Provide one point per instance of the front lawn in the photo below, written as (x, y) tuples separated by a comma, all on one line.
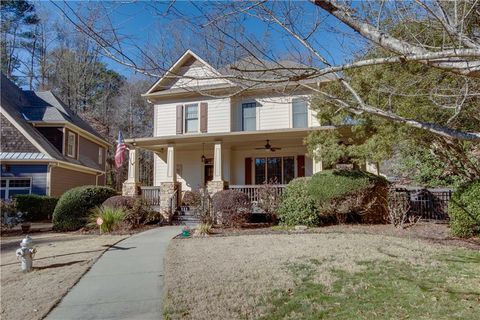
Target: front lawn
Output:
[(312, 276)]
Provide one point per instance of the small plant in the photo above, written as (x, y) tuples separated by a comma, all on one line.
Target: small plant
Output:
[(10, 215), (269, 199), (192, 199), (232, 208), (111, 217), (203, 229), (398, 207), (203, 210)]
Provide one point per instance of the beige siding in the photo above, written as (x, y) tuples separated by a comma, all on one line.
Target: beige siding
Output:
[(273, 112), (218, 115), (192, 77), (62, 179)]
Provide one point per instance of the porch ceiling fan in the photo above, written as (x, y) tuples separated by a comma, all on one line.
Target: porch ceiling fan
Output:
[(268, 146)]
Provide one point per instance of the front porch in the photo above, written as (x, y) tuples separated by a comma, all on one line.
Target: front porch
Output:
[(236, 160)]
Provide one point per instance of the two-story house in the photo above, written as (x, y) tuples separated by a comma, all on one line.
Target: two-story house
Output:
[(45, 148), (211, 131)]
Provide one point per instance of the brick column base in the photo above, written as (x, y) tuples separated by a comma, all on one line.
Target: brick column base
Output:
[(131, 189), (167, 189), (216, 186)]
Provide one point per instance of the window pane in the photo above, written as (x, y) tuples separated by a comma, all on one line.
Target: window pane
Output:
[(191, 111), (4, 183), (249, 116), (191, 125), (288, 169), (19, 183), (274, 170), (300, 112), (259, 170)]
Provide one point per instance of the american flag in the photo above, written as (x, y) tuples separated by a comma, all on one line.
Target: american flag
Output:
[(120, 153)]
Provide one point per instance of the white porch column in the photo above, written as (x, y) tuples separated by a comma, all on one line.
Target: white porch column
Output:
[(317, 162), (217, 162), (171, 172), (133, 168), (131, 187)]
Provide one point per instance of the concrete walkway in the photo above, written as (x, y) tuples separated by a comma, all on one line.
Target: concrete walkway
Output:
[(125, 283)]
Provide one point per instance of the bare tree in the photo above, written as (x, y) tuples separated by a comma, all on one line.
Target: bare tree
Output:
[(370, 24)]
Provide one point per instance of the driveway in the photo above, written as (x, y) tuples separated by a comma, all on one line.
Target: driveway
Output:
[(125, 283)]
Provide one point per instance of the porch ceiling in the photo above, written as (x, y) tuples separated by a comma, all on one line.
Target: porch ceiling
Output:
[(238, 139)]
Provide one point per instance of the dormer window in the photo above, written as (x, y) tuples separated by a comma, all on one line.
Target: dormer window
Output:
[(71, 144)]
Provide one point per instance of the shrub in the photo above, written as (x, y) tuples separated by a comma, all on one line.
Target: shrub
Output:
[(203, 229), (191, 198), (297, 206), (464, 210), (74, 206), (345, 195), (112, 217), (203, 210), (35, 207), (123, 202), (232, 207), (137, 210), (269, 200)]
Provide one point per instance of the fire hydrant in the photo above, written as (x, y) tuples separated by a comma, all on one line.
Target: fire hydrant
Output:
[(26, 253)]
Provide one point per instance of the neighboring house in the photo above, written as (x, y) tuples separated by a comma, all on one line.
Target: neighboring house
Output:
[(45, 148), (211, 131)]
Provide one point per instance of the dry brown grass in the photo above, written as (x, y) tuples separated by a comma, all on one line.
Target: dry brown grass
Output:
[(229, 277), (61, 259)]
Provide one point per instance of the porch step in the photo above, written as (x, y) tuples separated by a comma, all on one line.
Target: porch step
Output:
[(188, 220)]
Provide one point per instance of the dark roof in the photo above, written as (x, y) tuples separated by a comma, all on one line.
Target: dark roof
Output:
[(41, 106)]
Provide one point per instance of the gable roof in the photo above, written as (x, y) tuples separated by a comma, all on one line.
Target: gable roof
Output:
[(248, 73), (15, 102), (175, 74)]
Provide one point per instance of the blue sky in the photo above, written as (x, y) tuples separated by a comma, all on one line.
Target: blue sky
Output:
[(138, 21)]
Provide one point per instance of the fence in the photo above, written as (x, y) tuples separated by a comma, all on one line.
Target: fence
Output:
[(429, 204)]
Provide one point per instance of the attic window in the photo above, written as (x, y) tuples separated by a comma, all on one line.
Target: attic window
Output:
[(71, 144), (25, 117)]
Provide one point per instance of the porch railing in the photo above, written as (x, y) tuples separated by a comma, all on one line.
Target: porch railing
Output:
[(252, 190), (151, 195)]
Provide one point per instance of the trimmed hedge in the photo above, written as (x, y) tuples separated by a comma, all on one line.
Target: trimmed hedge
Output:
[(35, 207), (335, 196), (464, 210), (345, 195), (123, 202), (73, 207), (297, 206)]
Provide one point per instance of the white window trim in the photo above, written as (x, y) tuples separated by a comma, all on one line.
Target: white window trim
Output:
[(7, 187), (281, 165), (185, 119), (257, 115), (74, 147), (308, 113)]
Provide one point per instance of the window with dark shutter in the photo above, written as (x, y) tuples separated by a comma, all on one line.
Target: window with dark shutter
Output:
[(300, 166), (179, 119), (203, 117), (248, 170)]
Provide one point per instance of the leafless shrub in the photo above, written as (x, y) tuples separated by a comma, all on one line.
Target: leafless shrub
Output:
[(398, 208), (269, 199)]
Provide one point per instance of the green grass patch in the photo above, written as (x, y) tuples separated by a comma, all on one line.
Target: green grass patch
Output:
[(447, 289)]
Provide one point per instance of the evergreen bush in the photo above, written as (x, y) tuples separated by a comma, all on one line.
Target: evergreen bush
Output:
[(464, 210)]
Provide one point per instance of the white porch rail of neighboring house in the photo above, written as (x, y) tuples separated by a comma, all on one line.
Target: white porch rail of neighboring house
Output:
[(252, 190), (151, 195)]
